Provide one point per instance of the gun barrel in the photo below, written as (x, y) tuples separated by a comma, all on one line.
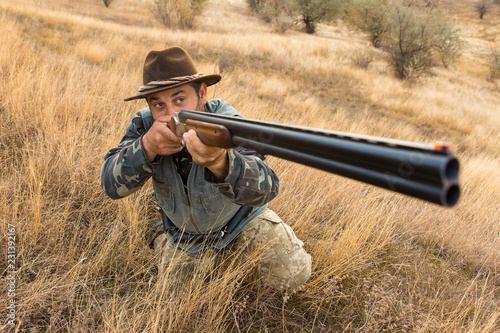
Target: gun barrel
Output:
[(410, 168)]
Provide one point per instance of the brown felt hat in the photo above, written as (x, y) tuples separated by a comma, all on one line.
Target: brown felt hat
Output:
[(168, 69)]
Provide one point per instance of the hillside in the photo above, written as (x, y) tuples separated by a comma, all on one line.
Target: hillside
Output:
[(381, 261)]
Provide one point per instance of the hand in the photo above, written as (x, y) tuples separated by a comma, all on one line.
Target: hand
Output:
[(213, 158), (160, 140)]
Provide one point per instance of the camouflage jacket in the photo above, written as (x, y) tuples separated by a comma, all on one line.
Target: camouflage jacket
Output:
[(206, 204)]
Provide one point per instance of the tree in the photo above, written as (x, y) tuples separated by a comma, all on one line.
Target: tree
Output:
[(417, 36), (483, 7), (312, 12), (107, 2), (408, 40), (413, 32)]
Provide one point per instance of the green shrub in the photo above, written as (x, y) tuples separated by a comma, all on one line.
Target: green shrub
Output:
[(361, 59), (284, 13), (409, 40), (413, 32), (372, 17), (312, 12), (179, 14), (255, 4), (417, 36), (447, 42)]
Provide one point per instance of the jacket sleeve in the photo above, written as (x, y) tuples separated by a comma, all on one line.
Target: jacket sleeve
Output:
[(125, 167), (250, 182)]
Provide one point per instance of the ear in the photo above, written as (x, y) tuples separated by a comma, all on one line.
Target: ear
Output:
[(203, 93)]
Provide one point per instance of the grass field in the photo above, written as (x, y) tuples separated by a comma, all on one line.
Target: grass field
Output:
[(381, 261)]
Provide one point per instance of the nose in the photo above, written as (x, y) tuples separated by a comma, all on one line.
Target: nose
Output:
[(171, 109)]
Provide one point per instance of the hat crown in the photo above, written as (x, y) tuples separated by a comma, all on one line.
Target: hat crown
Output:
[(167, 64), (168, 69)]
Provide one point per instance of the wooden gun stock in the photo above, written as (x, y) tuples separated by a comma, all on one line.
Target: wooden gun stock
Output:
[(210, 134)]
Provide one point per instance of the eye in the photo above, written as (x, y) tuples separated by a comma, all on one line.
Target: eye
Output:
[(179, 100), (158, 105)]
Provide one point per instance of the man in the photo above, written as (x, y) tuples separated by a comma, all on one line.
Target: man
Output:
[(200, 189)]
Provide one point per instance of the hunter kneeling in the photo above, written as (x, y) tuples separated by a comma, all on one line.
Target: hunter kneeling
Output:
[(211, 199)]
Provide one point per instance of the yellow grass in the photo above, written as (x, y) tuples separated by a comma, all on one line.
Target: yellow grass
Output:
[(381, 261)]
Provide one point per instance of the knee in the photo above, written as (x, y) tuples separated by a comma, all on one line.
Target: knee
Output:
[(301, 278), (284, 263), (292, 274)]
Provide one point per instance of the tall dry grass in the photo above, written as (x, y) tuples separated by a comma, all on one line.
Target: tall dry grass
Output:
[(381, 261)]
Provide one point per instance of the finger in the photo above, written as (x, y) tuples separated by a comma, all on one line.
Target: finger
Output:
[(191, 138), (187, 141), (164, 121), (164, 118), (167, 133), (170, 148), (202, 154), (194, 144)]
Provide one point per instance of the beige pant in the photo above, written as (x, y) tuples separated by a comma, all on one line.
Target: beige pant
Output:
[(267, 245)]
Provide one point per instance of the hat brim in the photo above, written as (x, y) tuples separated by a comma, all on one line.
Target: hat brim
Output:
[(209, 80)]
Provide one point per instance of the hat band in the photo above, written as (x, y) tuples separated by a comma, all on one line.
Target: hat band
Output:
[(174, 80)]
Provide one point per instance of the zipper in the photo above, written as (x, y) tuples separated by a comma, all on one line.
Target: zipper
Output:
[(179, 178)]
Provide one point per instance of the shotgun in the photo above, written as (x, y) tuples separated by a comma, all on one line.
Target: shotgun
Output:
[(428, 172)]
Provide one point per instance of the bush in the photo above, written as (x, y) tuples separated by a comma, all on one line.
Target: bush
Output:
[(178, 13), (371, 16), (361, 59), (312, 12), (107, 2), (284, 13), (447, 42), (409, 41), (413, 32), (282, 21), (276, 12), (417, 36), (255, 4)]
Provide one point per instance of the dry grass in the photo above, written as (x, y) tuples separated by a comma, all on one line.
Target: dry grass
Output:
[(381, 261)]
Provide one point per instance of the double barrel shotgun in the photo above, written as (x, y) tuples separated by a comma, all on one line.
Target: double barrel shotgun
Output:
[(428, 172)]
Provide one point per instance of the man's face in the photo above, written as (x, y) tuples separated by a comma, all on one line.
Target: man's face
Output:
[(168, 102)]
